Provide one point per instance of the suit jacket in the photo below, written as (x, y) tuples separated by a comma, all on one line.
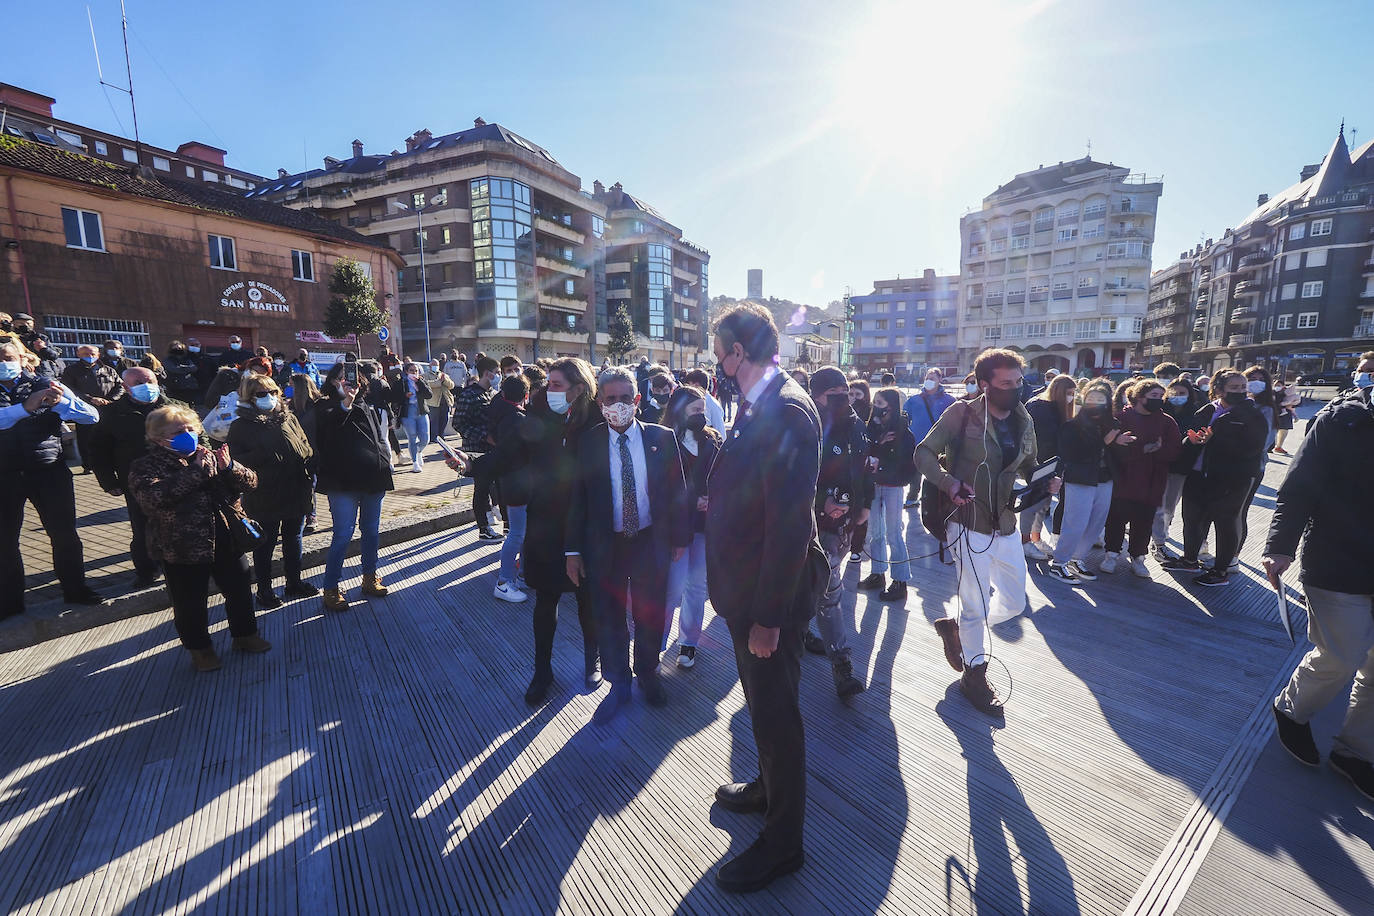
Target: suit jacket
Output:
[(590, 525), (759, 520)]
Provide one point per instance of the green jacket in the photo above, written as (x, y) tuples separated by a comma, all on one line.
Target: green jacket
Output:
[(992, 485)]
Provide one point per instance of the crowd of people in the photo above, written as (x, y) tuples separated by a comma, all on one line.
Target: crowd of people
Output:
[(643, 492)]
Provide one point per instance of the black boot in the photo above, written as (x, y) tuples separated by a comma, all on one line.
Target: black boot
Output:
[(872, 581), (974, 684), (267, 599), (539, 687), (591, 668), (757, 867), (895, 593), (846, 684), (813, 643), (743, 797)]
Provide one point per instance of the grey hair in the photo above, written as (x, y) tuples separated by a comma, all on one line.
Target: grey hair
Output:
[(616, 374)]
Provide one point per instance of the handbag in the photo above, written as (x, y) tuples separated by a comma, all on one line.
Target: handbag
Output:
[(244, 534), (936, 506)]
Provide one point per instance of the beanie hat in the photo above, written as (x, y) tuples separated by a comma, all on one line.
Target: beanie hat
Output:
[(825, 378)]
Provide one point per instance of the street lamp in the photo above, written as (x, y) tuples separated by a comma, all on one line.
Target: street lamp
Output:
[(439, 200), (838, 331)]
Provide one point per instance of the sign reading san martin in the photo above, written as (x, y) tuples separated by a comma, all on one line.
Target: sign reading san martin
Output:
[(259, 297)]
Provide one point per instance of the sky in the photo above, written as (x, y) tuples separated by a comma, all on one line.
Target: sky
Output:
[(828, 144)]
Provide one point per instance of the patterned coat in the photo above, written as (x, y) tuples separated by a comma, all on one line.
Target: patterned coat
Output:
[(179, 496)]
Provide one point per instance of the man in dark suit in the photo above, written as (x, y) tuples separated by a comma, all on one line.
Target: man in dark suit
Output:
[(763, 568), (628, 522)]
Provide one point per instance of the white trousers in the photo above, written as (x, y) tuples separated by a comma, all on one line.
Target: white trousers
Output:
[(992, 584)]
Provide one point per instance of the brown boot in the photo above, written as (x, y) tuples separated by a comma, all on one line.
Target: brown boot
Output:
[(205, 660), (979, 692), (254, 643), (948, 628), (334, 600), (372, 585)]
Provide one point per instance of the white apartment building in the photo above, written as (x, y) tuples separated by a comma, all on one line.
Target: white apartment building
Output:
[(1056, 265)]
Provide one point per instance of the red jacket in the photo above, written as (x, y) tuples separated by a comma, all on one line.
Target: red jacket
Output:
[(1139, 476)]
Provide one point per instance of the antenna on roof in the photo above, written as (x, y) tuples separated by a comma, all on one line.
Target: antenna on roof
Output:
[(1090, 147), (128, 70)]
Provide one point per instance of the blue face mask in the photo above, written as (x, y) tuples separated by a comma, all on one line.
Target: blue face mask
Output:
[(1179, 400), (10, 370), (1364, 379), (184, 443), (88, 360), (235, 346), (145, 393)]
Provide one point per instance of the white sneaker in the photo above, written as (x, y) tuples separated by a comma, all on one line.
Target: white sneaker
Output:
[(1034, 551), (1234, 567), (1206, 559), (507, 592), (1108, 564), (1139, 568)]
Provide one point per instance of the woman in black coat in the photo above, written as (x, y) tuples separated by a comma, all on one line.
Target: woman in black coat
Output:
[(557, 418), (353, 469), (1049, 410)]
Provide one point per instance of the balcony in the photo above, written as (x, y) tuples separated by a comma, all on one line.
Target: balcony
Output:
[(1240, 340), (1364, 329), (554, 227), (1245, 313), (993, 300), (1248, 288), (685, 275), (618, 267), (1118, 287), (1063, 294), (1128, 234), (1016, 298), (1369, 267), (1254, 259), (560, 265), (1203, 296), (1039, 295), (572, 303), (1200, 324), (1085, 291)]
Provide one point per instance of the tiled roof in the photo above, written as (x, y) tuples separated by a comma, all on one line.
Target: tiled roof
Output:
[(28, 156)]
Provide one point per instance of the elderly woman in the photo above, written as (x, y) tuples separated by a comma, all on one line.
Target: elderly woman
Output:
[(182, 487), (268, 439)]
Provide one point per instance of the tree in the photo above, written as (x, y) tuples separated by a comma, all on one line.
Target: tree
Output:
[(620, 341), (353, 307)]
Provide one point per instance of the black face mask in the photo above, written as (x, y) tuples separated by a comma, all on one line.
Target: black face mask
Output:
[(1004, 398), (696, 423), (6, 326), (1096, 413), (880, 414), (1235, 397), (1154, 405), (837, 406)]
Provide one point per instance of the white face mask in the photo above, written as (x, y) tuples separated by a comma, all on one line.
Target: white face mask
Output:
[(928, 384), (558, 401), (279, 363), (266, 402), (619, 414)]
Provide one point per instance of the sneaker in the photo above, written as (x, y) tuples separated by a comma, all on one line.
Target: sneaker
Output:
[(687, 656), (1162, 554), (1139, 568), (1212, 578), (1296, 738), (417, 467), (1108, 564), (487, 534), (909, 505), (855, 558), (507, 591), (1182, 564), (1360, 772), (1235, 566), (872, 581), (1279, 451), (254, 643), (1063, 571), (1034, 551), (1206, 559), (300, 589), (813, 643), (205, 660), (1079, 572), (894, 593)]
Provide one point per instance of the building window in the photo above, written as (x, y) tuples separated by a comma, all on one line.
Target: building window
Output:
[(880, 325), (1015, 330), (992, 332), (1312, 289), (1320, 227), (83, 229), (1317, 257), (1285, 322), (1059, 329), (222, 253), (162, 164), (941, 323), (900, 324), (1292, 261), (1035, 329), (129, 155), (1290, 290), (1108, 326), (190, 171), (1296, 232), (71, 331), (207, 175), (448, 236), (302, 266), (1068, 234), (1086, 328), (1137, 324), (101, 149), (1307, 319)]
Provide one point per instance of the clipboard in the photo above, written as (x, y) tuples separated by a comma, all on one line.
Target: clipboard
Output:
[(1037, 489)]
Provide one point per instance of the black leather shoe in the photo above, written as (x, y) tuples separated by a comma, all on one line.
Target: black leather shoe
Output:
[(300, 589), (268, 600), (610, 707), (652, 689), (1296, 738), (757, 867), (813, 643), (1359, 772), (144, 582), (872, 581), (83, 595), (539, 688), (592, 671), (743, 797)]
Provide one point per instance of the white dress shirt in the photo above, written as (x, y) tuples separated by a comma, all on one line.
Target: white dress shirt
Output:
[(636, 446), (761, 385)]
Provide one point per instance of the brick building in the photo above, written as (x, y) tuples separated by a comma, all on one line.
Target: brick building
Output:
[(94, 250)]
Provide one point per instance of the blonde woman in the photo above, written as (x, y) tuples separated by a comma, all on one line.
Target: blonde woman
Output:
[(180, 485)]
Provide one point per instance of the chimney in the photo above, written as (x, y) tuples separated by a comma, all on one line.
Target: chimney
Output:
[(598, 188), (330, 162), (422, 137), (357, 148), (617, 187), (282, 173), (478, 122), (202, 152), (929, 273), (1262, 200), (1308, 171), (410, 143)]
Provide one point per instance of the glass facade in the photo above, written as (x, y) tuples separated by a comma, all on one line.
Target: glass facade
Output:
[(598, 271), (503, 254), (658, 272)]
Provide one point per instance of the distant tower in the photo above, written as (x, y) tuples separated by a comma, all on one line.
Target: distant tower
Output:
[(756, 284)]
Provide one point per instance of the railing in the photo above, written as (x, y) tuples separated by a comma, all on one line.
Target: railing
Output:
[(1063, 294), (1245, 313), (1095, 213), (1016, 298), (1199, 324), (1369, 265), (1240, 340), (1039, 295), (1086, 291), (1128, 234), (1248, 288), (1129, 284), (1364, 329), (1254, 259)]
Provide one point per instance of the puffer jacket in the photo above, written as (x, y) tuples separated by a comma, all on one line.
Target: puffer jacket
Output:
[(275, 446), (180, 496), (979, 462)]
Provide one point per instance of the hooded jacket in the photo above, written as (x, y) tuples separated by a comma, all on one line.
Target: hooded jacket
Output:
[(275, 446)]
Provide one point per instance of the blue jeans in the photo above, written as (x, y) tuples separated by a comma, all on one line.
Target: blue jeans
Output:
[(350, 510), (417, 434), (687, 589), (510, 547), (886, 533)]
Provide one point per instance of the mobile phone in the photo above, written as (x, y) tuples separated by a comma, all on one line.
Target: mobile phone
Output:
[(350, 373)]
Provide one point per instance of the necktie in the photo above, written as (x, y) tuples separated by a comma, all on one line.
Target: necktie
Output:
[(744, 406), (628, 499)]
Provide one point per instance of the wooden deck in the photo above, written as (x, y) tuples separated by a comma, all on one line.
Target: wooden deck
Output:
[(382, 761)]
